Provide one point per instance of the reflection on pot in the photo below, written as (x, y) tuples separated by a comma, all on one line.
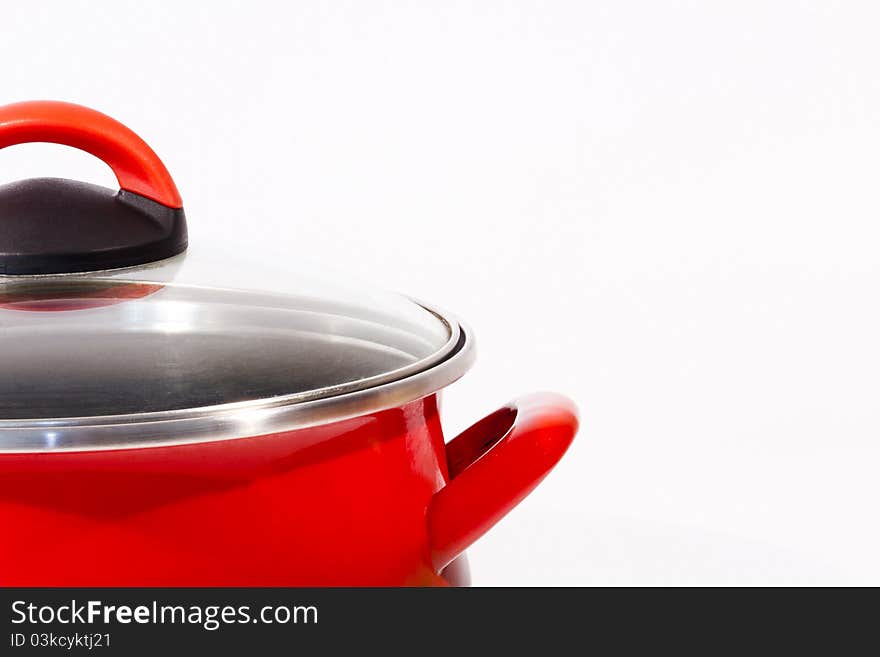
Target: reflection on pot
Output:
[(79, 294)]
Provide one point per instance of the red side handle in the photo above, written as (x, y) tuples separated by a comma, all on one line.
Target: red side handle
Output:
[(138, 169), (493, 466)]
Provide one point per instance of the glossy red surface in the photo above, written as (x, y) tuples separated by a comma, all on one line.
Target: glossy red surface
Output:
[(138, 169), (493, 466), (366, 501)]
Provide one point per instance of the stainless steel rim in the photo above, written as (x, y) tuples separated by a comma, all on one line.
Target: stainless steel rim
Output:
[(236, 420)]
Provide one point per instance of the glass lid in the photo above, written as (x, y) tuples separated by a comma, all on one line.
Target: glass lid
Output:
[(97, 346), (114, 333)]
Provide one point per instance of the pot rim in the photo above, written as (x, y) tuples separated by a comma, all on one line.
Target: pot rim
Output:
[(247, 419)]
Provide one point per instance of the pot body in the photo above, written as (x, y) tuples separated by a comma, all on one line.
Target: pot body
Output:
[(338, 504), (375, 500)]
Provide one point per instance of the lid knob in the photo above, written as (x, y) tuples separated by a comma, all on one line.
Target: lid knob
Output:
[(52, 226)]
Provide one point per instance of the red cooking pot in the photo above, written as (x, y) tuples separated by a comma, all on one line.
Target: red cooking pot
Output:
[(162, 423)]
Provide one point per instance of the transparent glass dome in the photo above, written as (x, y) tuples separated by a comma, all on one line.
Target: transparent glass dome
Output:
[(158, 338)]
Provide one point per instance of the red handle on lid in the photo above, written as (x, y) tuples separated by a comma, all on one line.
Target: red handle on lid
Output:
[(138, 169)]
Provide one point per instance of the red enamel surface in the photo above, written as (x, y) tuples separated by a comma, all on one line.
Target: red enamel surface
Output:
[(494, 465), (341, 504)]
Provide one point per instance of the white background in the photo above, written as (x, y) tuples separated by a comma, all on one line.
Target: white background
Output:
[(666, 210)]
